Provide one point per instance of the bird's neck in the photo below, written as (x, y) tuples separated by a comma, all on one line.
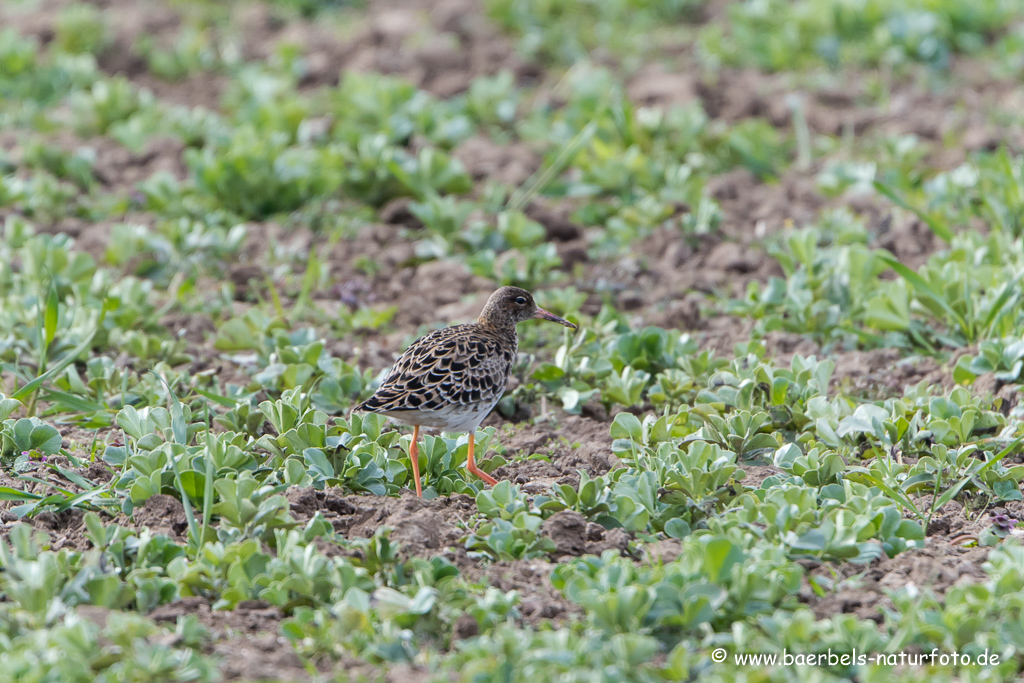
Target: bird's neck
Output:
[(504, 328)]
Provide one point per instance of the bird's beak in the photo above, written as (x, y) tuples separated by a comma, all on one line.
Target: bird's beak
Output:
[(547, 315)]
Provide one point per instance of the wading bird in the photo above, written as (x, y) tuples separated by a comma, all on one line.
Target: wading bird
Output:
[(451, 378)]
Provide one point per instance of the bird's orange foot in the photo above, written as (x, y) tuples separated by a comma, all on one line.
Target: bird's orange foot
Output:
[(471, 463), (483, 475)]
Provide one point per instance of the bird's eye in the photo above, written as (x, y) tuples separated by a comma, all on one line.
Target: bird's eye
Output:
[(521, 300)]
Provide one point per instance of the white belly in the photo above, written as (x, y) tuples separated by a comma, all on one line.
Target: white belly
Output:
[(456, 418)]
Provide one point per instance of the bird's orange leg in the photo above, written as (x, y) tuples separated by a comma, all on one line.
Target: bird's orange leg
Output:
[(471, 464), (414, 456)]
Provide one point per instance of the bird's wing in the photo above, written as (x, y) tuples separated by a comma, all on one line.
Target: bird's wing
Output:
[(459, 365)]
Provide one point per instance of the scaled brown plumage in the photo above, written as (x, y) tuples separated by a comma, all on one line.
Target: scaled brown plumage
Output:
[(452, 378), (464, 365)]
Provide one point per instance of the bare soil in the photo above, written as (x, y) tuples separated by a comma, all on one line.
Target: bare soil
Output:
[(950, 557), (666, 280)]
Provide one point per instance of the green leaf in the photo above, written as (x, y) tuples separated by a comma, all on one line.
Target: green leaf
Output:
[(548, 372), (131, 422), (677, 528), (194, 484), (863, 421), (235, 335), (719, 556), (105, 590), (32, 435), (813, 540), (627, 426), (962, 373), (318, 462), (424, 601), (8, 406)]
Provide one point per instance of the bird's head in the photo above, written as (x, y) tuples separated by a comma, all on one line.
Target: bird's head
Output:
[(511, 305)]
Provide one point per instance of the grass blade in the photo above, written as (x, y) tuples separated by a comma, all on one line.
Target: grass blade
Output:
[(65, 361), (83, 497), (216, 398), (73, 477), (952, 492), (51, 315), (70, 403), (208, 484), (275, 298), (36, 480), (1009, 289), (924, 289), (895, 494), (940, 229), (8, 493), (539, 180), (180, 430)]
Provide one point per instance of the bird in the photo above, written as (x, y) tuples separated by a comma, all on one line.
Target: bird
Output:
[(453, 377)]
